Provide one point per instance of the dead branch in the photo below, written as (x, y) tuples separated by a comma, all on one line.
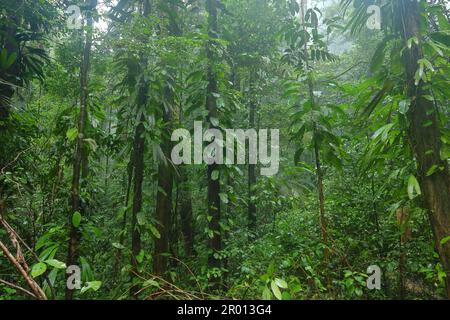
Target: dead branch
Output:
[(38, 292), (13, 237)]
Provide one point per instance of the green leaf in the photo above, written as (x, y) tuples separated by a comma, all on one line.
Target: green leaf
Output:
[(91, 285), (413, 185), (215, 175), (140, 256), (276, 291), (281, 283), (378, 57), (266, 294), (72, 133), (141, 218), (432, 170), (11, 60), (92, 144), (56, 263), (223, 197), (150, 283), (154, 231), (118, 246), (76, 219), (403, 106), (38, 269), (445, 240)]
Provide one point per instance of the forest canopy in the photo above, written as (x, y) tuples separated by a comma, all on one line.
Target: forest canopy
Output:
[(224, 149)]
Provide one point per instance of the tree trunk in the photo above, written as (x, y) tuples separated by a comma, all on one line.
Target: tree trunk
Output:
[(164, 209), (425, 141), (164, 199), (123, 231), (186, 217), (138, 151), (323, 220), (138, 165), (74, 233), (405, 235), (211, 106), (319, 172), (251, 210)]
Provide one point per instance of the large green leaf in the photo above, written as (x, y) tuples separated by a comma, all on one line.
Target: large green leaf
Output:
[(38, 269), (76, 219)]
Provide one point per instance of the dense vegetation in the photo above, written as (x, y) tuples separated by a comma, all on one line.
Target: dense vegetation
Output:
[(88, 105)]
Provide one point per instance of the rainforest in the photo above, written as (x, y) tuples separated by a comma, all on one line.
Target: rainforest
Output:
[(224, 150)]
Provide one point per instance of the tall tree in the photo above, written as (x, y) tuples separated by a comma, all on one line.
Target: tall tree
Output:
[(310, 118), (411, 30), (138, 157), (213, 170), (164, 210), (251, 209), (80, 152), (424, 132)]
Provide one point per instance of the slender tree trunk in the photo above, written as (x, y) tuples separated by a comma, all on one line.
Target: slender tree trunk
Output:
[(405, 235), (164, 201), (323, 220), (184, 204), (186, 217), (425, 140), (123, 231), (138, 165), (74, 233), (211, 106), (164, 210), (251, 210), (319, 171), (138, 150)]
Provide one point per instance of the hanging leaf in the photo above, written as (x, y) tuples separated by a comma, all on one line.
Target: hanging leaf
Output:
[(281, 283), (266, 295), (140, 216), (76, 219), (91, 285), (223, 197), (154, 231), (403, 106), (276, 291), (445, 240), (56, 264), (151, 283), (38, 269), (140, 256), (413, 187), (72, 133), (118, 246), (215, 175)]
